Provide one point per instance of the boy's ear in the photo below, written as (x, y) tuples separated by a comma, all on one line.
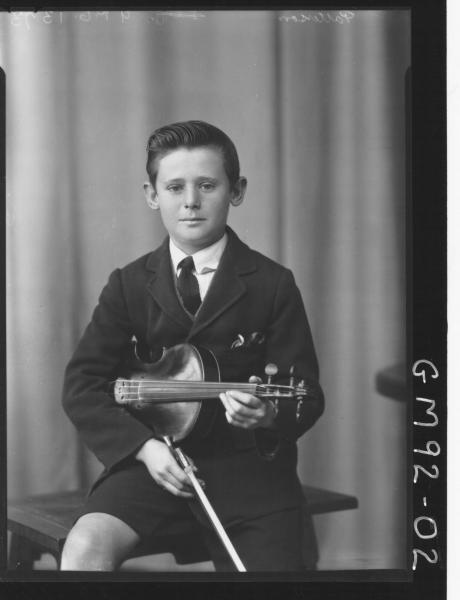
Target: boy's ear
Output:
[(151, 196), (239, 190)]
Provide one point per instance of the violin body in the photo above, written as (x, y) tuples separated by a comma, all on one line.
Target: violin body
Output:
[(174, 396), (175, 415)]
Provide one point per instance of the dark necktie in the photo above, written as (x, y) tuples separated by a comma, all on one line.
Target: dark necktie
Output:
[(187, 285)]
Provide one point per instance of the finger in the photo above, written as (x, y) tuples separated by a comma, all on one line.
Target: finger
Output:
[(177, 477), (243, 423), (176, 487), (186, 486), (230, 408), (171, 472), (246, 422), (235, 407), (236, 418), (224, 400), (244, 399), (192, 463), (172, 489), (182, 478), (244, 410)]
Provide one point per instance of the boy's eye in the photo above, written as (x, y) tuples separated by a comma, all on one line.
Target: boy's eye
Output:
[(175, 188), (208, 186), (205, 186)]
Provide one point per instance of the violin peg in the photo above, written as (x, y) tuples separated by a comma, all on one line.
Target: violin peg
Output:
[(301, 389), (298, 411), (270, 370), (291, 378)]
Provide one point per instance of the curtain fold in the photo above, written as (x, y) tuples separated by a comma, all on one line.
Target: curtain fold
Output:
[(317, 112)]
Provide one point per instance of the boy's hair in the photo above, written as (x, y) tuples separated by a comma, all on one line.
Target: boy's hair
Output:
[(191, 134)]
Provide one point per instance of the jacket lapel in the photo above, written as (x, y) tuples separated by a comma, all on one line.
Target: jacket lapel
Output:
[(161, 286), (227, 286)]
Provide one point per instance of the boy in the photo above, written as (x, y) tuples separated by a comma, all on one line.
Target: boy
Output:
[(248, 311)]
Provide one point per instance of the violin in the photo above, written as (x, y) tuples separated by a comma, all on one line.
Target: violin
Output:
[(168, 395)]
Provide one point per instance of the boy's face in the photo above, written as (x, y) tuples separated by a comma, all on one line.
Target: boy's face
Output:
[(193, 195)]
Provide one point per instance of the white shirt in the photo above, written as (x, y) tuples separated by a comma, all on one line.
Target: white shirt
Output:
[(206, 262)]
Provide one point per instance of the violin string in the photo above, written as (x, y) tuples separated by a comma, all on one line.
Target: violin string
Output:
[(188, 390), (174, 394), (199, 384), (154, 391), (174, 390), (192, 396), (179, 383), (159, 400)]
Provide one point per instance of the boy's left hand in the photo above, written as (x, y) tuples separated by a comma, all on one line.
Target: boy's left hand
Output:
[(247, 411)]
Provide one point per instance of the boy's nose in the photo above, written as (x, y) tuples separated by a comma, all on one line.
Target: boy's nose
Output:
[(192, 198)]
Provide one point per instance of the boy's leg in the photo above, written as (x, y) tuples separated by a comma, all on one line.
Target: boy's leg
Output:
[(269, 543), (97, 542), (122, 509)]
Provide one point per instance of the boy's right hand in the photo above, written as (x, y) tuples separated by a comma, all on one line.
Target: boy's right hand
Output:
[(164, 469)]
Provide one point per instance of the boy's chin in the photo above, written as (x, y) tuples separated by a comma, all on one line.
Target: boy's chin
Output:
[(195, 241)]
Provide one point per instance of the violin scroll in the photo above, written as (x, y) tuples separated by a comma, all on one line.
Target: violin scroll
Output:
[(297, 391)]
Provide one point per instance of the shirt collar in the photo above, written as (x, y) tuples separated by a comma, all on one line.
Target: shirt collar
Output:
[(205, 260)]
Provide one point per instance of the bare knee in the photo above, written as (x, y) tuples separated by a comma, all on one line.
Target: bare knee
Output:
[(97, 542)]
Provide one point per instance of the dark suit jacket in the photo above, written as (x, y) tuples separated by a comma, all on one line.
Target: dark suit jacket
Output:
[(248, 473)]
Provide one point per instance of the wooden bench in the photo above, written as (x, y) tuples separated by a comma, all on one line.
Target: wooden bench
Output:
[(40, 524)]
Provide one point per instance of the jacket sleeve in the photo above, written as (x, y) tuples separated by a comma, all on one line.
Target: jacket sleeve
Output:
[(105, 427), (290, 343)]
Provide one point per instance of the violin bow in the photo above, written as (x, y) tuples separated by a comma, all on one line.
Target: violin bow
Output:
[(207, 507)]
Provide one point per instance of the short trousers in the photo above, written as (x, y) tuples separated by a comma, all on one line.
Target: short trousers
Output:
[(133, 496), (271, 542)]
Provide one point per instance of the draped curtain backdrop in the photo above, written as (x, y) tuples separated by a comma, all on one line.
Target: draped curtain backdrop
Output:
[(316, 107)]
